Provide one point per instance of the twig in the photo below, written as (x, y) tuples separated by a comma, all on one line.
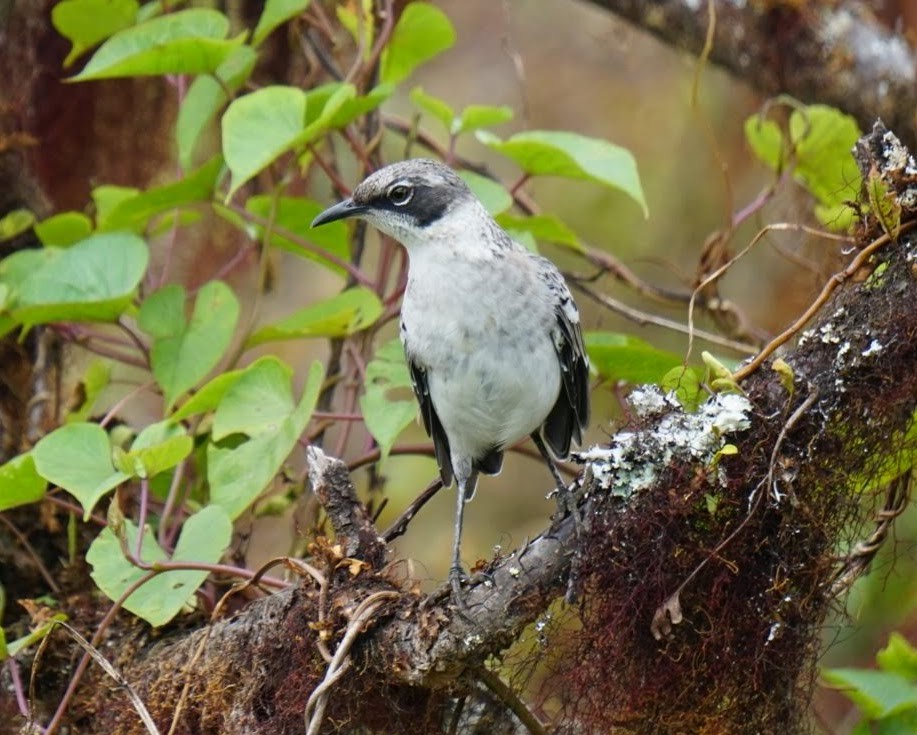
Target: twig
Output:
[(113, 411), (30, 550), (401, 524), (106, 666), (352, 270), (718, 273), (506, 695), (643, 318)]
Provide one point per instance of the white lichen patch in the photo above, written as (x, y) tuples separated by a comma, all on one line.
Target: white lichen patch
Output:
[(828, 334), (842, 353), (874, 348), (634, 459), (897, 155), (650, 400)]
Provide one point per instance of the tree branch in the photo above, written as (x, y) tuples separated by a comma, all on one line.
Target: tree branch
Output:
[(837, 53)]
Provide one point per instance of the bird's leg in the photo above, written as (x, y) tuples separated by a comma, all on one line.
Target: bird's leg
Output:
[(565, 501), (455, 571)]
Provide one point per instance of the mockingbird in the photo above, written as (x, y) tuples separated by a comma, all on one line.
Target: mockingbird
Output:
[(490, 331)]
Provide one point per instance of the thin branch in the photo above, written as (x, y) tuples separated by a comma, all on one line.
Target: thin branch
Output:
[(643, 318), (506, 695)]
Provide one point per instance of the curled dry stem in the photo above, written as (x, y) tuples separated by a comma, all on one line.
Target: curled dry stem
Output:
[(314, 713), (855, 564)]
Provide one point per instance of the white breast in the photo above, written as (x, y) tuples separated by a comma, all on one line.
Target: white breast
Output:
[(482, 329)]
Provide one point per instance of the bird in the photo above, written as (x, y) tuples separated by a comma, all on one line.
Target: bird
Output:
[(490, 331)]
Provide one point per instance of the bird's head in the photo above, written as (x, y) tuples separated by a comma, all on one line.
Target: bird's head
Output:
[(410, 201)]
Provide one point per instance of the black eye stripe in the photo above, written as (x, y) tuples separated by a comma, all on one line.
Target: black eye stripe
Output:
[(425, 205)]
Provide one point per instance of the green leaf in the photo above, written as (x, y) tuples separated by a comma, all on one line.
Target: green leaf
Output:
[(206, 95), (260, 127), (544, 227), (134, 213), (295, 215), (422, 32), (766, 141), (573, 156), (687, 386), (210, 394), (898, 657), (94, 381), (159, 447), (340, 316), (475, 117), (818, 142), (883, 203), (385, 414), (824, 138), (204, 538), (108, 196), (15, 223), (238, 473), (259, 400), (785, 374), (624, 357), (274, 14), (357, 106), (185, 351), (88, 22), (20, 483), (64, 229), (434, 106), (471, 118), (77, 457), (187, 42), (32, 637), (876, 693), (93, 280), (325, 106), (493, 194)]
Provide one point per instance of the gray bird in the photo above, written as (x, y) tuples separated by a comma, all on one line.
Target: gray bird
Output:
[(490, 331)]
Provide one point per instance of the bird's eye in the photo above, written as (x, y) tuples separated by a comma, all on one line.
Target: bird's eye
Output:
[(400, 194)]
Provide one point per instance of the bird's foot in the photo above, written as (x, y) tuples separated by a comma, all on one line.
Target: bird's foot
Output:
[(456, 577), (568, 504)]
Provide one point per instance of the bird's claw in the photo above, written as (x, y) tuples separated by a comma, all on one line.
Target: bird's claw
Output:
[(456, 577)]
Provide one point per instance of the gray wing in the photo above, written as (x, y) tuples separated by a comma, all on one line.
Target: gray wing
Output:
[(570, 415), (431, 421)]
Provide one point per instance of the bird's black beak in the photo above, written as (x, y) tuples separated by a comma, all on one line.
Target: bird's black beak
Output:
[(341, 210)]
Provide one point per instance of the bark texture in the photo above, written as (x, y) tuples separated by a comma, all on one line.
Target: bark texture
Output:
[(836, 53)]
